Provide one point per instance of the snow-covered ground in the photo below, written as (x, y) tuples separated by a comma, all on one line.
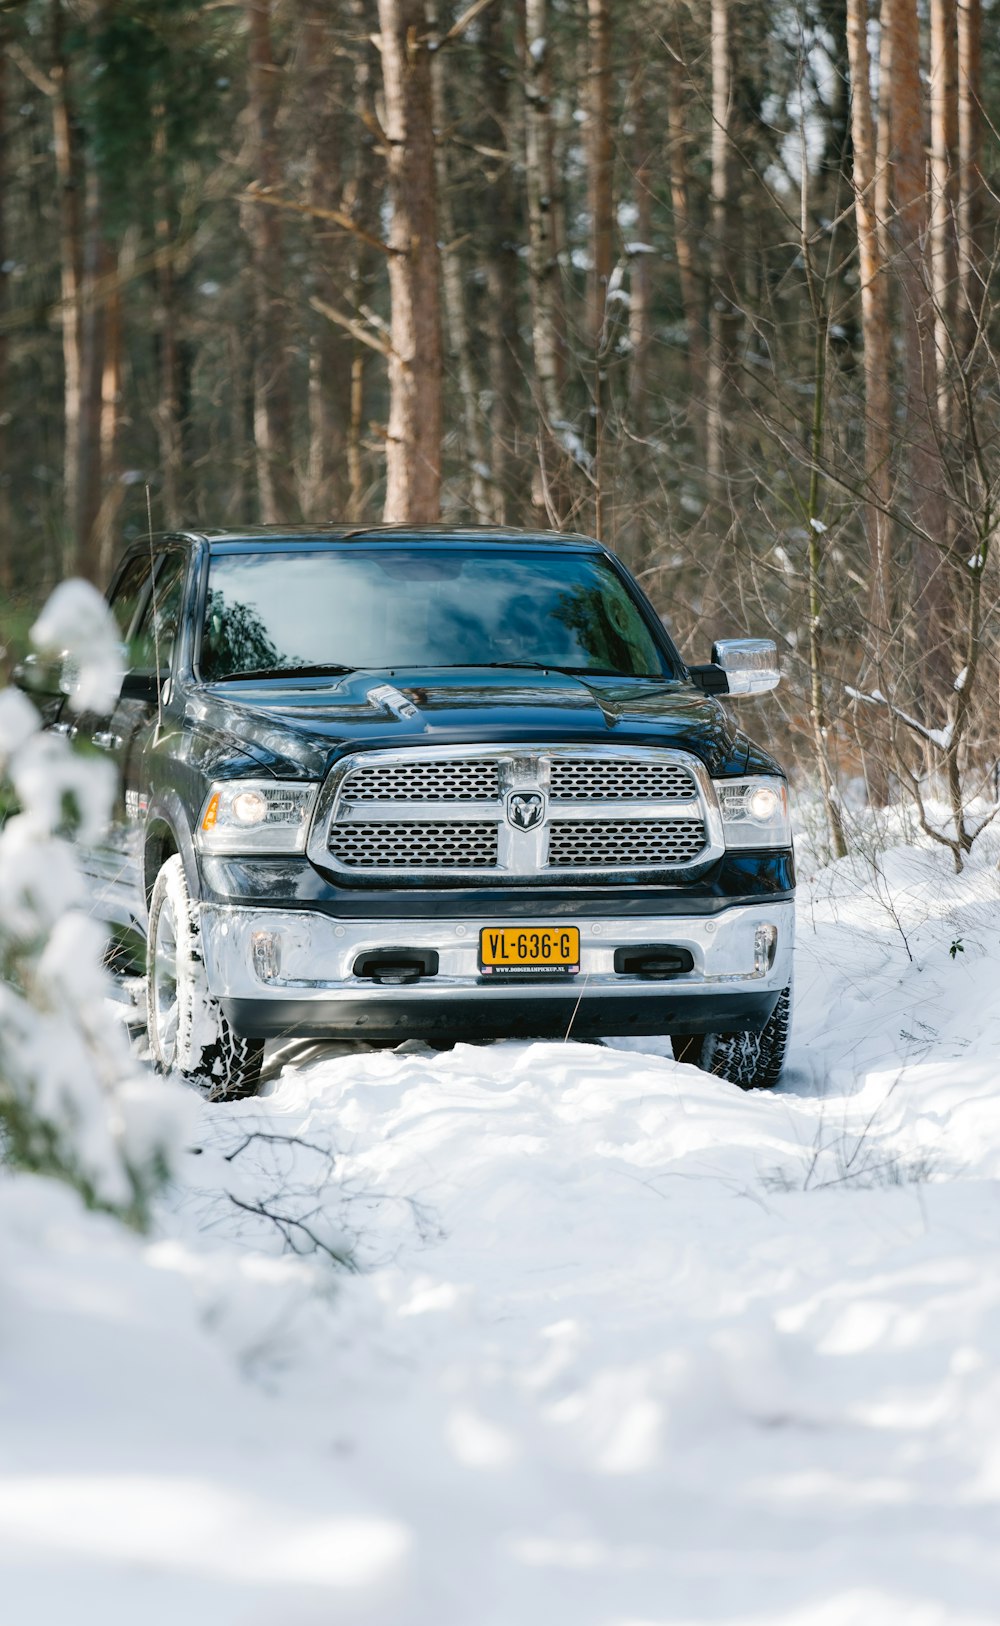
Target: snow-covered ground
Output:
[(620, 1345)]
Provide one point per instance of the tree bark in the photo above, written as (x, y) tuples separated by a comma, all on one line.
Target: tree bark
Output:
[(724, 316), (70, 270), (971, 286), (272, 394), (691, 302), (96, 264), (923, 454), (600, 168), (7, 570), (502, 265), (640, 326), (876, 338), (456, 313), (943, 242), (321, 97), (413, 439), (543, 263)]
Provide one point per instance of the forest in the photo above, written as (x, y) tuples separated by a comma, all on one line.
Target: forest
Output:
[(715, 282)]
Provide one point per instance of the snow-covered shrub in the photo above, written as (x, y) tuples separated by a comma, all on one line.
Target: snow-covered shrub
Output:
[(73, 1101)]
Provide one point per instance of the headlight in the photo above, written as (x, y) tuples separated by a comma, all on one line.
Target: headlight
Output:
[(256, 816), (754, 812)]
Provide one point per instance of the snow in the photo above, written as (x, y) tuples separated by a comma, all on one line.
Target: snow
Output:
[(620, 1345)]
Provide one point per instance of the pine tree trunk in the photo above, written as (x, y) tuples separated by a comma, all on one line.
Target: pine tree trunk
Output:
[(272, 417), (723, 323), (96, 264), (971, 288), (413, 439), (361, 202), (70, 270), (543, 264), (923, 457), (502, 269), (691, 303), (943, 242), (640, 325), (600, 168), (7, 572), (456, 313), (875, 332), (321, 97)]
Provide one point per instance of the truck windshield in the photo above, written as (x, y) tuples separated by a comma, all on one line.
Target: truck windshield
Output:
[(423, 607)]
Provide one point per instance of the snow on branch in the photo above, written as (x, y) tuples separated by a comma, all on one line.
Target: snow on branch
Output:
[(941, 737), (73, 1101)]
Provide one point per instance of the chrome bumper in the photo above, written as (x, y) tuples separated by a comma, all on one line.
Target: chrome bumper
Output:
[(261, 954)]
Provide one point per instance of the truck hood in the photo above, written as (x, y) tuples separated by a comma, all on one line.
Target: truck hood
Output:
[(304, 724)]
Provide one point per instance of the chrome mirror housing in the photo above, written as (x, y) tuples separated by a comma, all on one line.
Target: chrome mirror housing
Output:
[(750, 664)]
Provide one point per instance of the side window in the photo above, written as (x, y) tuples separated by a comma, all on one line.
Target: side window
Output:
[(156, 633), (128, 593)]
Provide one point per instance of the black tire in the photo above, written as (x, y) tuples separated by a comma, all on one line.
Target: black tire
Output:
[(751, 1060), (187, 1031)]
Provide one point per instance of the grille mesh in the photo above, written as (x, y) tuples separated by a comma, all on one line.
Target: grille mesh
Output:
[(622, 843), (438, 845), (617, 779), (460, 780)]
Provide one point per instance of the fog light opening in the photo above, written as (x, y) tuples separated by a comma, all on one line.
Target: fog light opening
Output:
[(265, 954), (765, 947)]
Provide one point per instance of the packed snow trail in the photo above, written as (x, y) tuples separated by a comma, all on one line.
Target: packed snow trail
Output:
[(623, 1347)]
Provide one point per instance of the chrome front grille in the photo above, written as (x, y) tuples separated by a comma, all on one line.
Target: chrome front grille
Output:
[(516, 814), (465, 845), (623, 843), (465, 779), (604, 779)]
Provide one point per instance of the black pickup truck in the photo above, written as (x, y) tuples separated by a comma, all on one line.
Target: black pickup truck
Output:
[(391, 782)]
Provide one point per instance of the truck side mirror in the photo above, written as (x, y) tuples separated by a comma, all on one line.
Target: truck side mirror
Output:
[(739, 666)]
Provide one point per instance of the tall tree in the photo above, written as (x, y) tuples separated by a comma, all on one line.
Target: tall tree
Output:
[(875, 329), (272, 417), (724, 314), (413, 437), (923, 451)]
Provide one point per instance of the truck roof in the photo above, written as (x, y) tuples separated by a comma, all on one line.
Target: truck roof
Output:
[(439, 534)]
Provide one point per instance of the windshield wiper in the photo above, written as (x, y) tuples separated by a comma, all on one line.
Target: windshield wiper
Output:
[(545, 666), (326, 670)]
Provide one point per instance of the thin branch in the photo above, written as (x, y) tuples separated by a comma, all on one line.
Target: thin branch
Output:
[(461, 23), (354, 328), (314, 212)]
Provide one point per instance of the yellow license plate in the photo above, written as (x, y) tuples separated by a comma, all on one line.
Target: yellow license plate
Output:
[(512, 951)]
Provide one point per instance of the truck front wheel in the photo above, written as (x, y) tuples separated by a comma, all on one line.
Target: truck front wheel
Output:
[(187, 1030), (751, 1060)]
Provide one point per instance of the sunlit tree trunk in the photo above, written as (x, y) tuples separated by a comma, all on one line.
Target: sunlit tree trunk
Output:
[(360, 201), (413, 440), (875, 331), (943, 85), (272, 395), (923, 455), (543, 264)]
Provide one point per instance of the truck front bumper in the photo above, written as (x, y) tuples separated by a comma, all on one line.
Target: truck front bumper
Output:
[(291, 973)]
